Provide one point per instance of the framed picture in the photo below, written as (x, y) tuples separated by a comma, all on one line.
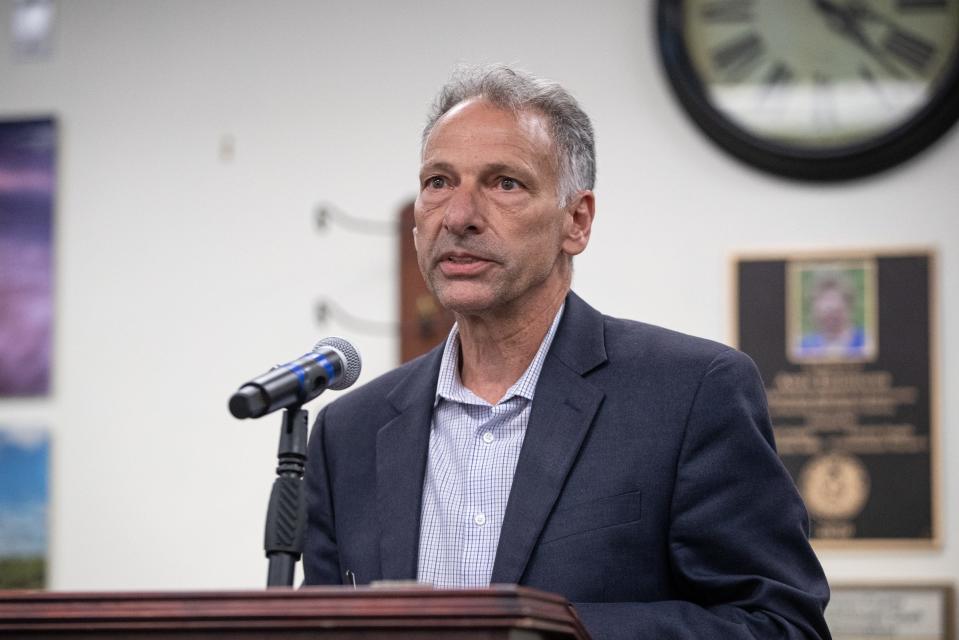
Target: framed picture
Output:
[(24, 497), (27, 151), (892, 611), (844, 342)]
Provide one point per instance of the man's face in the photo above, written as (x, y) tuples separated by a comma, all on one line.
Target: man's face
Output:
[(831, 313), (489, 229)]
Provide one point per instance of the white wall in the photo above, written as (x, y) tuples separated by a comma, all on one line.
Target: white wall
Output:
[(179, 275)]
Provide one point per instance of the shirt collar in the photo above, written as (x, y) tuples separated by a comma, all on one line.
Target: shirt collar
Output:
[(450, 387)]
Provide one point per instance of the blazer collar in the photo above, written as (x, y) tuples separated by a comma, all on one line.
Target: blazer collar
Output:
[(401, 450), (580, 341), (564, 407)]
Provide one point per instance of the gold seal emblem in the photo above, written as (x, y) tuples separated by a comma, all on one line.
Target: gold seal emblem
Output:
[(834, 486)]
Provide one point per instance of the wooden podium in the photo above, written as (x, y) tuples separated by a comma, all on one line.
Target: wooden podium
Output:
[(279, 614)]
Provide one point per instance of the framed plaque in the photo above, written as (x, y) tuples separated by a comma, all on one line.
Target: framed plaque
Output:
[(423, 322), (844, 343), (891, 612)]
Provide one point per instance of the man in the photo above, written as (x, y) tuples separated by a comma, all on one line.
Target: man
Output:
[(627, 467)]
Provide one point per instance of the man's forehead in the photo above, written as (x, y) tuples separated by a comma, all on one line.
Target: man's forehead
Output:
[(477, 121)]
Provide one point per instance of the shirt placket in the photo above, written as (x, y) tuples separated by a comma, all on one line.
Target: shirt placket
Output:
[(481, 519)]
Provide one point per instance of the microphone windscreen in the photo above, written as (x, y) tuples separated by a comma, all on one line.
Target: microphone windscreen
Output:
[(351, 361)]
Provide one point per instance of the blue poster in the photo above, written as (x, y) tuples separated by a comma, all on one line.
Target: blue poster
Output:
[(24, 497)]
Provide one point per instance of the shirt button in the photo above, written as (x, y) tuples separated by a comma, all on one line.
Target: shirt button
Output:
[(488, 437), (479, 519)]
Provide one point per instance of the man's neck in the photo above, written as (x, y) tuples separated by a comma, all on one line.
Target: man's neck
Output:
[(496, 349)]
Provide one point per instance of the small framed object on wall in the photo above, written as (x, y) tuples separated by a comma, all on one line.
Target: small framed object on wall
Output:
[(844, 342), (423, 322), (892, 611)]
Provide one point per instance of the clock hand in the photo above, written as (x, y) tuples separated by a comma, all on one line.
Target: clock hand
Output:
[(847, 22)]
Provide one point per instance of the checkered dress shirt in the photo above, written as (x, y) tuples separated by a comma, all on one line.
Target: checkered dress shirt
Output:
[(474, 448)]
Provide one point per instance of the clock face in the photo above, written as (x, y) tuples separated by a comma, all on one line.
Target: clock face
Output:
[(815, 81)]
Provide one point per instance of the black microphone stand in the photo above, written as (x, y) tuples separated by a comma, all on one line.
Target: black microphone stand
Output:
[(286, 515)]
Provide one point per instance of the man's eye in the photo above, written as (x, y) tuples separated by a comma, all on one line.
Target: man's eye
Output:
[(508, 184), (436, 182)]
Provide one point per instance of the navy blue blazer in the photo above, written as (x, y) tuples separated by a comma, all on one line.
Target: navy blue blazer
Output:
[(648, 490)]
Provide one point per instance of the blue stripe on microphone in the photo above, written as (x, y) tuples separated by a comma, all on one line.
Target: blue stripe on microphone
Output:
[(327, 365), (300, 375)]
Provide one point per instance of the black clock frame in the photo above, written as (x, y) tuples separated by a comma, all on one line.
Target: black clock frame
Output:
[(843, 163)]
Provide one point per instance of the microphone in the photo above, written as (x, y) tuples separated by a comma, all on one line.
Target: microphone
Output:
[(333, 364)]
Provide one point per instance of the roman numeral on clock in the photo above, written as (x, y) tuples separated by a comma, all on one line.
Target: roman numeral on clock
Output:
[(779, 75), (909, 49), (773, 81), (738, 56), (728, 11)]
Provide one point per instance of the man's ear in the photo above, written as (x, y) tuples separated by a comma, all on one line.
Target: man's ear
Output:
[(415, 244), (579, 222)]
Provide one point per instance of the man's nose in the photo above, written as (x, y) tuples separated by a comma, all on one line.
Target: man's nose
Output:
[(464, 212)]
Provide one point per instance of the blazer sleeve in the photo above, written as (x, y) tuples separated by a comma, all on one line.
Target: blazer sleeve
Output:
[(738, 530)]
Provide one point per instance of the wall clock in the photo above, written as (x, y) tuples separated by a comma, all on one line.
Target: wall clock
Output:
[(815, 89)]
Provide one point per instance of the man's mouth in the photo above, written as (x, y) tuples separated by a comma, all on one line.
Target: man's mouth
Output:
[(462, 264), (462, 257)]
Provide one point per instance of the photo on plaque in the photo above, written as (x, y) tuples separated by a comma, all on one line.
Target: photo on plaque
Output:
[(24, 497), (843, 343), (832, 311)]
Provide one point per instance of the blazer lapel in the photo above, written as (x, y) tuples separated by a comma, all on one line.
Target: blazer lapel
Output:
[(564, 406), (401, 450)]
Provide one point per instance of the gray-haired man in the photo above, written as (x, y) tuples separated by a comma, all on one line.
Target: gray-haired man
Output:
[(624, 466)]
